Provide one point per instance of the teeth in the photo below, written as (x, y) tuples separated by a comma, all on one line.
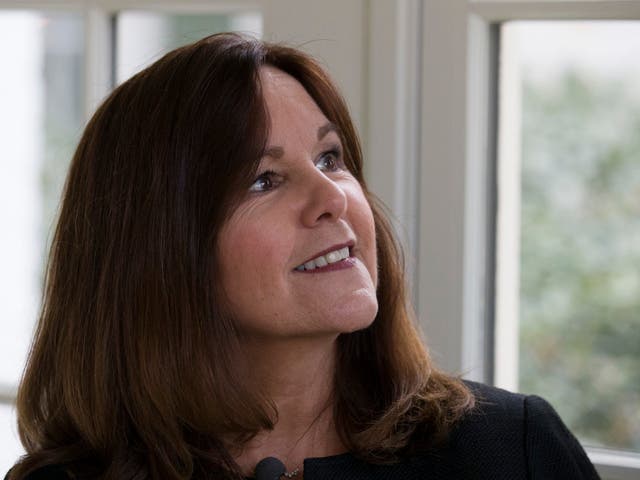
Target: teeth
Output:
[(333, 257), (324, 260)]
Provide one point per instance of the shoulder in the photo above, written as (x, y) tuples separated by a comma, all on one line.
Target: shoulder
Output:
[(506, 436), (494, 409), (518, 433)]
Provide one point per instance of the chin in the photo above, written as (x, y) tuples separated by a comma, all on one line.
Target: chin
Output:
[(359, 316)]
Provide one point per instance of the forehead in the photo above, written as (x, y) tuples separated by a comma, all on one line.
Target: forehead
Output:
[(288, 103)]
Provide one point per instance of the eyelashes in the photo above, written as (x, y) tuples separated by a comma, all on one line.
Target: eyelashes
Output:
[(329, 161), (264, 182)]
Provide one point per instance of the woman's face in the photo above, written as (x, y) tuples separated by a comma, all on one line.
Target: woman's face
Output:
[(298, 255)]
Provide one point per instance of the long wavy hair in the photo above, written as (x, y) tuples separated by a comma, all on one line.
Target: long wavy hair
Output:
[(131, 372)]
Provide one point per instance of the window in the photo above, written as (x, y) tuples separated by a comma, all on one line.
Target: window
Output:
[(471, 310), (45, 96), (41, 117), (143, 36), (573, 108)]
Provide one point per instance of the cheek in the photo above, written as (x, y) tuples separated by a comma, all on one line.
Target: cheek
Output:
[(234, 243), (362, 218), (372, 250), (252, 254)]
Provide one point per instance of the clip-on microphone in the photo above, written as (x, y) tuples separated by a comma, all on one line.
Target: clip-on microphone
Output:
[(270, 468)]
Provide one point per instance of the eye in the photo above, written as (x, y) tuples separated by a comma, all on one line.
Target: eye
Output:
[(330, 161), (264, 182)]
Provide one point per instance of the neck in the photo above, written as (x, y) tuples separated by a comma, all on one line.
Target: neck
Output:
[(298, 378)]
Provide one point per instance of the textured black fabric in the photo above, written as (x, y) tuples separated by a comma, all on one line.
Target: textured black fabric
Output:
[(506, 437), (47, 473)]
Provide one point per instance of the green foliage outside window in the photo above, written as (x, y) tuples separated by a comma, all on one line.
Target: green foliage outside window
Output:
[(580, 255)]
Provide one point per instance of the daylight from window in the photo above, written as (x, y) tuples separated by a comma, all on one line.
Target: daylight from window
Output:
[(569, 266), (41, 119), (142, 37)]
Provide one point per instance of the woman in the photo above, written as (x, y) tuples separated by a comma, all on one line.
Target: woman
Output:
[(223, 289)]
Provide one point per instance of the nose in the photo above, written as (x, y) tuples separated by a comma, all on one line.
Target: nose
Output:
[(326, 200)]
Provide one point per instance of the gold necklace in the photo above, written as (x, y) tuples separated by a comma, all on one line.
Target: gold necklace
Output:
[(272, 468)]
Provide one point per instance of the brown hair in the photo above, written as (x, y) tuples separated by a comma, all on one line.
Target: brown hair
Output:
[(131, 373)]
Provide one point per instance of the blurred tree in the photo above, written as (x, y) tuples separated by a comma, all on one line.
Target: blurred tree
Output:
[(580, 254)]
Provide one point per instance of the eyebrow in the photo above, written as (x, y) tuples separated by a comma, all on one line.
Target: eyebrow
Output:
[(273, 152), (326, 128), (277, 152)]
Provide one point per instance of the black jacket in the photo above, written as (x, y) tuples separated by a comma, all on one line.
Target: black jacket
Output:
[(506, 437)]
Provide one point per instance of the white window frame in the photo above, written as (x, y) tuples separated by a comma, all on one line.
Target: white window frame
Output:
[(337, 40), (97, 73), (457, 179)]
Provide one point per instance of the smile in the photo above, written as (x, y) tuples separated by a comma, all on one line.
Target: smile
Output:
[(321, 261)]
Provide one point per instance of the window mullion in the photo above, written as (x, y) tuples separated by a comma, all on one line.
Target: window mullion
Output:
[(7, 393), (98, 70)]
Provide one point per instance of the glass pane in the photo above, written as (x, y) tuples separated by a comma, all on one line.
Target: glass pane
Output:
[(40, 120), (143, 37), (579, 296), (10, 447)]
